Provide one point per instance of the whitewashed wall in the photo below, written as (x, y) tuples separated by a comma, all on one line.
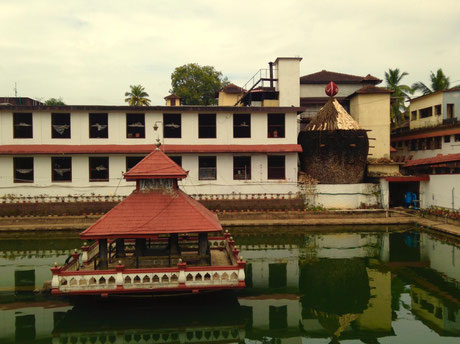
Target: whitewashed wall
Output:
[(440, 190)]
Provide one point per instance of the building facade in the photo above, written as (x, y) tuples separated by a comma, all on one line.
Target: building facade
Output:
[(84, 150)]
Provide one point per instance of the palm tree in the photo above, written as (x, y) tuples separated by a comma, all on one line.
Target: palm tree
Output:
[(137, 96), (400, 93), (439, 81)]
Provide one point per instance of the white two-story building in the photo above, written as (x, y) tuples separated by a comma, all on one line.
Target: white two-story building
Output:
[(84, 150)]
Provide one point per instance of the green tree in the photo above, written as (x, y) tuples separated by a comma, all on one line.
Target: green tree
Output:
[(196, 84), (137, 96), (400, 93), (54, 102), (439, 81)]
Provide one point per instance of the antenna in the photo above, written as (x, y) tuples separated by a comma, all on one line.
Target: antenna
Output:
[(15, 90)]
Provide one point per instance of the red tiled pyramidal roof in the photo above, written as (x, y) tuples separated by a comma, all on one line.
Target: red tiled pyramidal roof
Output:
[(324, 77), (143, 214), (155, 165)]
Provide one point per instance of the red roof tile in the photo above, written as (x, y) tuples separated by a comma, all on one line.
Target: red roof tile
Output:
[(372, 90), (325, 77), (433, 133), (172, 96), (438, 159), (232, 88), (144, 214), (144, 149), (155, 165)]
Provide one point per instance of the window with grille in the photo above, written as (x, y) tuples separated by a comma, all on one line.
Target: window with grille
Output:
[(207, 126), (241, 167), (207, 168), (276, 167), (241, 125), (276, 125)]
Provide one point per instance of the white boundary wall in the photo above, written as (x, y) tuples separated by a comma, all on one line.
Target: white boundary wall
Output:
[(344, 196), (440, 191)]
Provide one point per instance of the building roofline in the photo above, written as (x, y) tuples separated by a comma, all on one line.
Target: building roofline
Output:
[(288, 58), (453, 89)]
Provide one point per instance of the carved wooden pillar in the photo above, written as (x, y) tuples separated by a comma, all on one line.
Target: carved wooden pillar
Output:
[(203, 244), (140, 247), (120, 248), (174, 244)]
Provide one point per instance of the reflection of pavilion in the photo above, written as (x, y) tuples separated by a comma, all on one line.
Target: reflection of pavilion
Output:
[(160, 321)]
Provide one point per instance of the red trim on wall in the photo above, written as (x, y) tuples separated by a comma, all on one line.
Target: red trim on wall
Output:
[(425, 135), (424, 178)]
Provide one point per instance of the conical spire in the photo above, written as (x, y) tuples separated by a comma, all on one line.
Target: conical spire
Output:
[(332, 116)]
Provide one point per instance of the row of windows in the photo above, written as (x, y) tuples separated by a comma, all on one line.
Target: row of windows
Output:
[(61, 168), (135, 125), (427, 143), (428, 112)]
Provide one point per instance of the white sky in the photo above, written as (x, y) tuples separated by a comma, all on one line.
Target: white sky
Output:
[(89, 52)]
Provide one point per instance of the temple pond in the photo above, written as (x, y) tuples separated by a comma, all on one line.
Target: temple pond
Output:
[(385, 285)]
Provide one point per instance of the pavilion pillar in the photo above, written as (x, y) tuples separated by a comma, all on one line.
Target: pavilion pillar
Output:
[(174, 244), (120, 248), (140, 247), (203, 243), (103, 261)]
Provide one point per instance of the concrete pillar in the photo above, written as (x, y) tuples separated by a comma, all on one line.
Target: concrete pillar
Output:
[(103, 259), (174, 244), (203, 244), (120, 248)]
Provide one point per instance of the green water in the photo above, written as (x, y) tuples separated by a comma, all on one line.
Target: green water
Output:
[(303, 287)]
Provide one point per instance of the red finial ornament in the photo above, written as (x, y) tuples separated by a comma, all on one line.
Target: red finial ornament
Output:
[(331, 89)]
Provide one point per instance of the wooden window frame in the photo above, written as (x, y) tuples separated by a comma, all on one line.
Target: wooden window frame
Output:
[(212, 175), (170, 119), (17, 121), (276, 130), (91, 158), (241, 125), (53, 178), (271, 170), (202, 127), (91, 118), (60, 119), (15, 163)]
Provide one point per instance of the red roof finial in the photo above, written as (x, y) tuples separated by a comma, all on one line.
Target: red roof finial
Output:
[(331, 89)]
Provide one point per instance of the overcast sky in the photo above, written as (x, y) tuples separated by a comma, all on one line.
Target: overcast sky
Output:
[(89, 52)]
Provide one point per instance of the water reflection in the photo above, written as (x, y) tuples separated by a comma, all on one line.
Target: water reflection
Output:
[(340, 286)]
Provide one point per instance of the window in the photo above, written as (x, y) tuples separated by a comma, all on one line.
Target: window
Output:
[(173, 102), (277, 275), (172, 125), (135, 126), (207, 168), (61, 169), (276, 125), (207, 126), (277, 317), (429, 143), (22, 126), (241, 125), (132, 161), (437, 142), (413, 116), (98, 126), (241, 167), (457, 137), (450, 111), (421, 144), (276, 167), (447, 138), (60, 125), (98, 169), (413, 145), (426, 112), (177, 159), (437, 110), (23, 170)]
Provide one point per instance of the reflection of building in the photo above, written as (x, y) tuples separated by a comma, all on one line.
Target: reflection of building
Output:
[(30, 320), (436, 314)]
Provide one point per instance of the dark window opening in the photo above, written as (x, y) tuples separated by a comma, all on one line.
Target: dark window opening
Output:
[(207, 168), (426, 112), (61, 169), (207, 126), (23, 170), (413, 145), (98, 126), (429, 143), (172, 126), (277, 275), (276, 126), (447, 138), (24, 281), (450, 111), (457, 137), (60, 125), (98, 169), (248, 275), (277, 317), (22, 126), (241, 167), (177, 159), (241, 125), (173, 102), (25, 328), (132, 161), (438, 142), (135, 126), (421, 144), (437, 110), (413, 116), (276, 167)]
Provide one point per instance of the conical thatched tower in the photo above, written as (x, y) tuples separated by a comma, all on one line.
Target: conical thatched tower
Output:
[(334, 146)]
